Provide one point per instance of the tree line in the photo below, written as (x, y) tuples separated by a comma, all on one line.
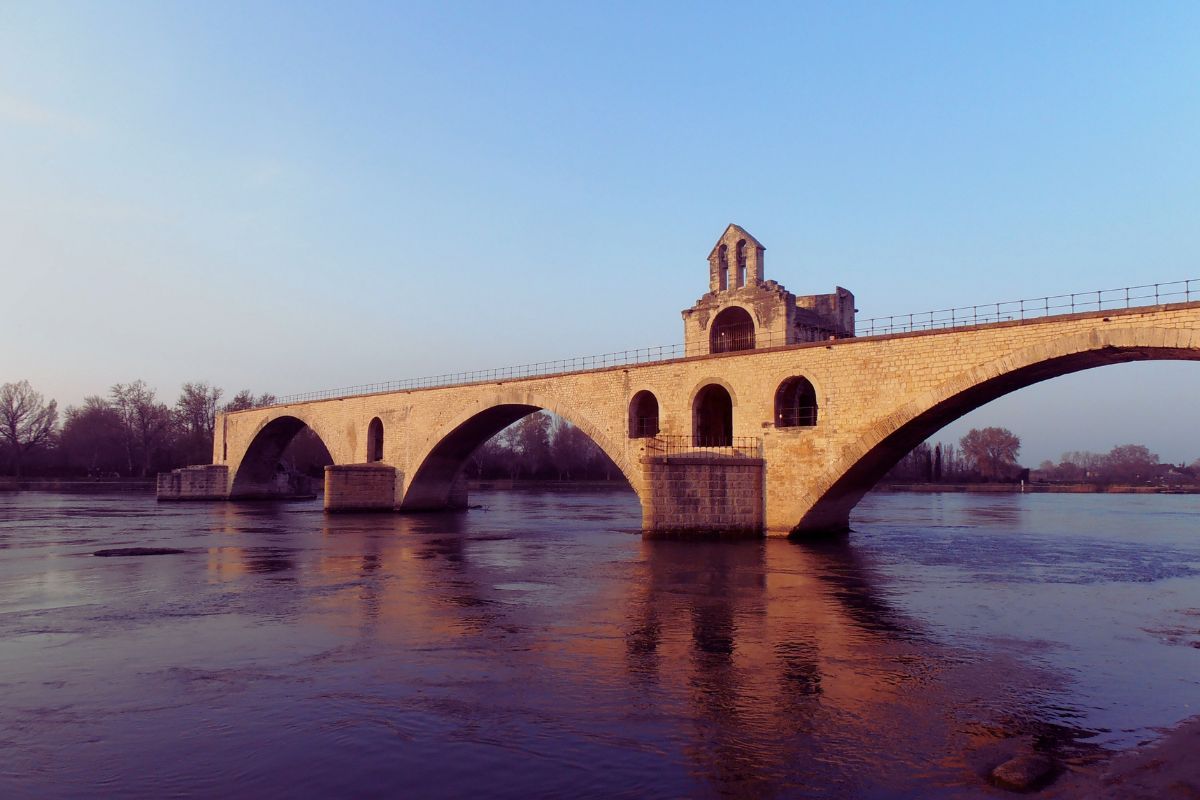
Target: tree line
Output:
[(991, 454), (130, 432), (127, 433)]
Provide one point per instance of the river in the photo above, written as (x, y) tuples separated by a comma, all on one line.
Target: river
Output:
[(539, 647)]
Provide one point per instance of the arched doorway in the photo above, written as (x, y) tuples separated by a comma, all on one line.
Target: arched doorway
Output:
[(712, 417), (375, 440), (643, 415), (732, 330), (796, 404)]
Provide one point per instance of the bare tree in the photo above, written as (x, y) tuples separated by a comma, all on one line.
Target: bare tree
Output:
[(993, 451), (26, 420), (245, 399), (196, 410), (146, 422)]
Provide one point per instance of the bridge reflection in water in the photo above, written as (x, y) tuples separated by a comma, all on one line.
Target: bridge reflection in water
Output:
[(749, 667), (537, 648)]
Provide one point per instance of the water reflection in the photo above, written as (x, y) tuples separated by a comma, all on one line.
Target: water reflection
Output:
[(542, 652)]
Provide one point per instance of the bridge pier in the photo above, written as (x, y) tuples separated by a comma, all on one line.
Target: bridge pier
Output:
[(203, 482), (702, 495), (360, 487)]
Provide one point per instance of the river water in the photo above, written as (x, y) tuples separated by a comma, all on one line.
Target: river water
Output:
[(539, 647)]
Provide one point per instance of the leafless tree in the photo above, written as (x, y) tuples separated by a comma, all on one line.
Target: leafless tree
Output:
[(245, 399), (196, 410), (27, 421), (146, 422)]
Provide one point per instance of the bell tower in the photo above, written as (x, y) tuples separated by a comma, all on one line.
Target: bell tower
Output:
[(736, 261), (744, 311)]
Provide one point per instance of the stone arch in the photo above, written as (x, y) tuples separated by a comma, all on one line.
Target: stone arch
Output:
[(796, 403), (375, 440), (643, 415), (731, 330), (712, 416), (827, 505), (442, 455), (257, 472)]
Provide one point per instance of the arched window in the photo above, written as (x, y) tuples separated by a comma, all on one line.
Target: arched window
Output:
[(795, 404), (733, 329), (723, 267), (741, 262), (643, 415), (712, 417), (375, 440)]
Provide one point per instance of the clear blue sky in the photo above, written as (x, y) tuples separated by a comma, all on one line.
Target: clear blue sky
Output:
[(288, 196)]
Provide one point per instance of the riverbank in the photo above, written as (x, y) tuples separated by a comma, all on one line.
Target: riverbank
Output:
[(1033, 488), (10, 484), (1163, 770)]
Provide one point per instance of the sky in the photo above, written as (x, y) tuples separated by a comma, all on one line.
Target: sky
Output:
[(288, 197)]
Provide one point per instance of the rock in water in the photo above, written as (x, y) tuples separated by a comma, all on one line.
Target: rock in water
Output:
[(137, 551), (1023, 773)]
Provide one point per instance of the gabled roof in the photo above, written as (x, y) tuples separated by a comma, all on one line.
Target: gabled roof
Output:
[(732, 234)]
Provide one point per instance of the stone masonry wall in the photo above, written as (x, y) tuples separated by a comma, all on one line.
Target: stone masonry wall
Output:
[(710, 495), (360, 487), (204, 482)]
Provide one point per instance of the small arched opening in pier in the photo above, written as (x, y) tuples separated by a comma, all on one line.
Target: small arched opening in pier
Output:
[(643, 415), (796, 404), (375, 440)]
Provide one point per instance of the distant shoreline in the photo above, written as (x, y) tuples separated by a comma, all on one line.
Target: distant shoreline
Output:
[(10, 484), (1031, 488)]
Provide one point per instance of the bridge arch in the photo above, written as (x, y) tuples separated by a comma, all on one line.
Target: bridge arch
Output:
[(257, 473), (442, 455), (826, 506)]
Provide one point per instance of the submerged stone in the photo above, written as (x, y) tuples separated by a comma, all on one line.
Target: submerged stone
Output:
[(137, 551), (1024, 773)]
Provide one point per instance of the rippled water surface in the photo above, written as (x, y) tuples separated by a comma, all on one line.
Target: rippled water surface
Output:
[(538, 647)]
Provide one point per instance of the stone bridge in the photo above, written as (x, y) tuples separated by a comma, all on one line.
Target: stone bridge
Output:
[(783, 432)]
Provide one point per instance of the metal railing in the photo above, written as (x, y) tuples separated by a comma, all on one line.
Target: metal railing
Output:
[(1150, 294), (700, 447)]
